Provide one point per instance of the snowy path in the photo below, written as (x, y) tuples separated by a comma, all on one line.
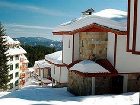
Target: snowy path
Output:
[(35, 95)]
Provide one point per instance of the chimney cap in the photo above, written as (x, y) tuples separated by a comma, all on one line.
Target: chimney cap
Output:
[(88, 11)]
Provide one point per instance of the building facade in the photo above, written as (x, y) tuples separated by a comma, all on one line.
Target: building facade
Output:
[(16, 61), (59, 71), (94, 36)]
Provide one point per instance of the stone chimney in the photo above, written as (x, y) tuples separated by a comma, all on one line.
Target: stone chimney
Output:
[(88, 12)]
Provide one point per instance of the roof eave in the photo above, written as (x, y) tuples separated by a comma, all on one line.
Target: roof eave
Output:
[(103, 28)]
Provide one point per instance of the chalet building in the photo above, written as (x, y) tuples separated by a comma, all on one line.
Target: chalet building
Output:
[(42, 69), (17, 62), (59, 71), (95, 50)]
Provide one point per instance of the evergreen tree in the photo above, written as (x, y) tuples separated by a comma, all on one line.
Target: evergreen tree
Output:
[(4, 68)]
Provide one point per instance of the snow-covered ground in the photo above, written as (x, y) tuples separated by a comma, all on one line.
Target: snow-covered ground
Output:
[(36, 95)]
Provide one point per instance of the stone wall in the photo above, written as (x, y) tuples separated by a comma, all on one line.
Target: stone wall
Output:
[(79, 85), (93, 43), (103, 85), (133, 83)]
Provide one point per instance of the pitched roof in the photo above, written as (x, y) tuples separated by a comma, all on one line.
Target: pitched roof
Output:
[(90, 20), (9, 40), (55, 58), (89, 68), (41, 64), (15, 51)]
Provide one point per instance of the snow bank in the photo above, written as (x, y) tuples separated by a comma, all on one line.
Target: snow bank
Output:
[(41, 64), (97, 18), (55, 57), (88, 66)]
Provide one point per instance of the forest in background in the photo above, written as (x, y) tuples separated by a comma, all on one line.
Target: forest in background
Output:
[(38, 52)]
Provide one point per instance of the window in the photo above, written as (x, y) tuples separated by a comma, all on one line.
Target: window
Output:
[(11, 58), (17, 57), (11, 76), (16, 74), (17, 66), (69, 44), (11, 67), (54, 69), (11, 85), (16, 83)]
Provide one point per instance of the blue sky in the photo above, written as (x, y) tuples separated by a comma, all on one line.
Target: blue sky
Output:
[(37, 18)]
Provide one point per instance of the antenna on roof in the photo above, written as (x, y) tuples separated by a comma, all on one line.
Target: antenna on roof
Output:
[(88, 11)]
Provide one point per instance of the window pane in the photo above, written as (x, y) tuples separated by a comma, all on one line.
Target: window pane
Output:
[(11, 67), (17, 66), (16, 74), (17, 57), (16, 83), (11, 58)]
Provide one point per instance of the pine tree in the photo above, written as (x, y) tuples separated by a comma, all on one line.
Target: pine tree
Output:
[(4, 68)]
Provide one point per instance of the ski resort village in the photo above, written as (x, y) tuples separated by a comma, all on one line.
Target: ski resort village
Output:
[(99, 62)]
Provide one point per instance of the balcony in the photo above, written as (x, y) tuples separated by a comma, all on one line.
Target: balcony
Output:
[(22, 75), (23, 68), (22, 82)]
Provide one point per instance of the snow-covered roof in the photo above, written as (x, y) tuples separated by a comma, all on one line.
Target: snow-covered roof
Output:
[(96, 18), (9, 40), (87, 66), (15, 51), (41, 64), (31, 69), (55, 57), (111, 13)]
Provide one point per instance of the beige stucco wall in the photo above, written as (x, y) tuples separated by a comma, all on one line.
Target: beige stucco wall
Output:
[(110, 47), (67, 48), (93, 43)]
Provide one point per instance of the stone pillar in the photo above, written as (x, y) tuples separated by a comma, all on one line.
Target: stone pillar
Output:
[(125, 81), (41, 73), (93, 85)]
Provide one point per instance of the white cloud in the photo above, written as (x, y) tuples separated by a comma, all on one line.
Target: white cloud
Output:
[(27, 27), (19, 30), (31, 8)]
